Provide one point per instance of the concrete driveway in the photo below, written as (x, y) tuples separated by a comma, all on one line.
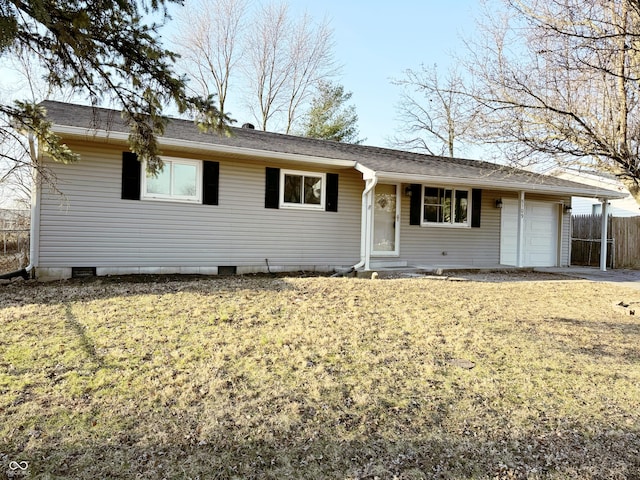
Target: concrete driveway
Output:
[(624, 277)]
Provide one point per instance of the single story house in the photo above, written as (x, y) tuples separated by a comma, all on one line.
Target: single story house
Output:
[(256, 201)]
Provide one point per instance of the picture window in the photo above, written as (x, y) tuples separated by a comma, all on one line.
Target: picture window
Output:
[(445, 206), (302, 189), (179, 180)]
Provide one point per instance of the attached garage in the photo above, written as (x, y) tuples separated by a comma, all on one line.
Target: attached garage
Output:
[(540, 236)]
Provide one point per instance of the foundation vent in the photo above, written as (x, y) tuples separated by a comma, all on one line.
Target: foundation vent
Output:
[(83, 272)]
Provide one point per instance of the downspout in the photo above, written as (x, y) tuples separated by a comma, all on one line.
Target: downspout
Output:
[(369, 222), (365, 223), (34, 225)]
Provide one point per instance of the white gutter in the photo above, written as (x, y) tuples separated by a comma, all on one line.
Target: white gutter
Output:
[(118, 137), (370, 178), (392, 177)]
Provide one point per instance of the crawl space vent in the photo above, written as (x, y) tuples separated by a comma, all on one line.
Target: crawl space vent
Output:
[(83, 272), (227, 270)]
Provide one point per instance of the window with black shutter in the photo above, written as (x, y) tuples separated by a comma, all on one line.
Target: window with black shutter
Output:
[(436, 205), (179, 180)]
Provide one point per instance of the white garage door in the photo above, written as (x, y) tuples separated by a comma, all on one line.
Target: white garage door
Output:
[(540, 233)]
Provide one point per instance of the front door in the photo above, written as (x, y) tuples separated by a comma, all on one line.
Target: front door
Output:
[(385, 220)]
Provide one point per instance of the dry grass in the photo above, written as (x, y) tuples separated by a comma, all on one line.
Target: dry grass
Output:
[(319, 378)]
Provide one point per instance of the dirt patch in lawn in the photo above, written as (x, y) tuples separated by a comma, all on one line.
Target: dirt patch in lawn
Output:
[(261, 377)]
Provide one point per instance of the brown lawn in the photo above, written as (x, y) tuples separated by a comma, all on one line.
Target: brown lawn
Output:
[(319, 378)]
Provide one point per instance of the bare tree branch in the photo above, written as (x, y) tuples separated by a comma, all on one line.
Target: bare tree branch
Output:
[(210, 41), (560, 79), (287, 59), (436, 110)]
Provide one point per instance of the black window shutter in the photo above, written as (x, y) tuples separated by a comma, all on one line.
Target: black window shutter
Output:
[(131, 171), (332, 192), (476, 203), (272, 188), (416, 207), (210, 180)]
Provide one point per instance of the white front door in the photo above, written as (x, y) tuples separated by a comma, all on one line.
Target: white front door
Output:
[(540, 239), (509, 232), (386, 214)]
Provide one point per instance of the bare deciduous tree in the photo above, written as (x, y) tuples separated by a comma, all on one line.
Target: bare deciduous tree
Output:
[(286, 59), (210, 41), (18, 157), (268, 63), (310, 50), (437, 114), (561, 79), (258, 52)]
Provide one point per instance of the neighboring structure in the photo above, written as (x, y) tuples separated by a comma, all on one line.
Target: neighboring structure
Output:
[(14, 219), (620, 207), (14, 239), (258, 201), (14, 230)]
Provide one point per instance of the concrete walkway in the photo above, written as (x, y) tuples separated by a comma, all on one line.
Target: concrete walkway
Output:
[(624, 277)]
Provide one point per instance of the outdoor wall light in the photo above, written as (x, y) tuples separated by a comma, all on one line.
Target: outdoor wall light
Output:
[(567, 209), (408, 191), (499, 203)]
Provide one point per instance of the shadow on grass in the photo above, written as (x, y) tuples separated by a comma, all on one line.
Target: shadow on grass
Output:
[(626, 350), (603, 327), (84, 340), (100, 288)]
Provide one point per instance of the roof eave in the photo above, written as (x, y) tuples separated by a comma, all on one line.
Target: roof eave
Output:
[(121, 138), (507, 185), (166, 142)]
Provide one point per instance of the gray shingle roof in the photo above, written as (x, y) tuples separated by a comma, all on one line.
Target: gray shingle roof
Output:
[(404, 166)]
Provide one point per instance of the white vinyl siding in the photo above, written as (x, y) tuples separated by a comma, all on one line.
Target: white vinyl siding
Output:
[(453, 246), (92, 226), (467, 247)]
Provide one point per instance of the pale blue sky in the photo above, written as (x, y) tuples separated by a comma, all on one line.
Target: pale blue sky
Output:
[(376, 41)]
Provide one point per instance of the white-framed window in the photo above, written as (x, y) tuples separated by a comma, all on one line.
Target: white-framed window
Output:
[(302, 189), (180, 181), (446, 206)]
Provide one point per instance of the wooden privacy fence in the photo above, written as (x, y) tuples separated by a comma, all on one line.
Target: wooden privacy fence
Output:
[(623, 238)]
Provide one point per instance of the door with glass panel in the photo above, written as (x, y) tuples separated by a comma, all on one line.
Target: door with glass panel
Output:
[(386, 215)]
